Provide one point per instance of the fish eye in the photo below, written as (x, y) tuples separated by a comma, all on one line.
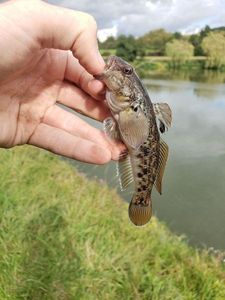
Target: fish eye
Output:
[(127, 70)]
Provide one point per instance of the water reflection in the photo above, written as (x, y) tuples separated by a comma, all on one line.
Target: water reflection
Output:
[(212, 93), (193, 200), (201, 90)]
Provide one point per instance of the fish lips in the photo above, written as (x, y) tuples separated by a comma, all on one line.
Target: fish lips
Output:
[(109, 63), (100, 77)]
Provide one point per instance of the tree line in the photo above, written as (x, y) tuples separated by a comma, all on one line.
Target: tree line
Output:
[(208, 42)]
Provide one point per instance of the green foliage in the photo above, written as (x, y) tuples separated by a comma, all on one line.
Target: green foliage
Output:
[(214, 47), (220, 28), (140, 50), (155, 41), (179, 51), (145, 68), (64, 237), (204, 32), (126, 47), (110, 43), (108, 52), (196, 41), (177, 36)]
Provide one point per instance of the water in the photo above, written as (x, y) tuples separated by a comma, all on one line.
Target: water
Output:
[(193, 200)]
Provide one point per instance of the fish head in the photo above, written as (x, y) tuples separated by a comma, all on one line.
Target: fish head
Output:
[(119, 77), (124, 94)]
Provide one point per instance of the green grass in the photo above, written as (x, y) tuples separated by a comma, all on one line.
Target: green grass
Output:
[(65, 237)]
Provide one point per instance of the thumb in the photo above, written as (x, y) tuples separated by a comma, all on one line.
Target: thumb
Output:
[(71, 30)]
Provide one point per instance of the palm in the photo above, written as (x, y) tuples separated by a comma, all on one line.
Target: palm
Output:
[(34, 116), (35, 76), (34, 93)]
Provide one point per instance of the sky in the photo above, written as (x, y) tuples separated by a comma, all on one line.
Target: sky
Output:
[(140, 16), (137, 17)]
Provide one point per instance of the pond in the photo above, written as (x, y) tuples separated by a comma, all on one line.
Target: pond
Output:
[(193, 200)]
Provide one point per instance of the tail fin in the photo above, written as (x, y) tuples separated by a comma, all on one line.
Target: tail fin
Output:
[(140, 212)]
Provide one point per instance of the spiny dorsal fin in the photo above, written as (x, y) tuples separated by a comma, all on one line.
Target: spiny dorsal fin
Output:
[(164, 114), (134, 127), (163, 155), (124, 172)]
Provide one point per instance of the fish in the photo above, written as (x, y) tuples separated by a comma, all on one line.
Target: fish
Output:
[(138, 123)]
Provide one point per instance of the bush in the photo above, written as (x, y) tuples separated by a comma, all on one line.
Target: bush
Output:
[(214, 47), (179, 51), (127, 48)]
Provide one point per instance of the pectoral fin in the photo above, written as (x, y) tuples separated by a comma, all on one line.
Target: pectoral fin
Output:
[(134, 127), (164, 115), (164, 150), (110, 128), (162, 127)]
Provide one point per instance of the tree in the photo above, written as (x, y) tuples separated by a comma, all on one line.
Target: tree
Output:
[(196, 41), (155, 41), (214, 47), (177, 35), (179, 51), (204, 32), (127, 47), (109, 43)]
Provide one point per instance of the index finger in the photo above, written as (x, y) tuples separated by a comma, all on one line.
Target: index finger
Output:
[(72, 30), (74, 72)]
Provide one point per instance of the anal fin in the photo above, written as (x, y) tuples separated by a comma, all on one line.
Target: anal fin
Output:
[(124, 171)]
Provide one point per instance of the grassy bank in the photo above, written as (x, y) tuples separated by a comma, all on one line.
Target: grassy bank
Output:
[(65, 237)]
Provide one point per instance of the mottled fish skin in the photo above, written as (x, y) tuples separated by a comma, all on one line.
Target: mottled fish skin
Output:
[(145, 162), (126, 93)]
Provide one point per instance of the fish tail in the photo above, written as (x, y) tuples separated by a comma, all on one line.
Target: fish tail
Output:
[(140, 209)]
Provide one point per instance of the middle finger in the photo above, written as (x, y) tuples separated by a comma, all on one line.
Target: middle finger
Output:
[(58, 117)]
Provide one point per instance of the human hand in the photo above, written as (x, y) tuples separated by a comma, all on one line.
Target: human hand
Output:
[(38, 71)]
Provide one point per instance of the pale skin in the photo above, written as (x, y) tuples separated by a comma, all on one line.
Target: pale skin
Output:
[(48, 57)]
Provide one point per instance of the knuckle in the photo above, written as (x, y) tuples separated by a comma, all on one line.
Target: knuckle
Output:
[(89, 21)]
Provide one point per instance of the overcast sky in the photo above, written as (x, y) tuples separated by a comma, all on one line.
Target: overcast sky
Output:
[(139, 16)]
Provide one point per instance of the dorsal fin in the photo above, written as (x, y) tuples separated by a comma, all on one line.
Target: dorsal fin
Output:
[(163, 155), (164, 115)]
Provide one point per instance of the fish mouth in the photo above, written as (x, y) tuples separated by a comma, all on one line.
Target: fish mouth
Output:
[(99, 76), (110, 61)]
